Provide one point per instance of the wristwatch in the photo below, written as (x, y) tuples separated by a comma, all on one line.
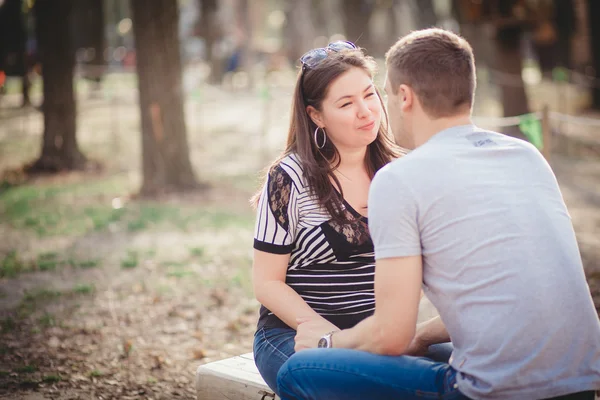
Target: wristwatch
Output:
[(325, 342)]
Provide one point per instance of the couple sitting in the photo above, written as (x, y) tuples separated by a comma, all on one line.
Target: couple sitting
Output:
[(473, 217)]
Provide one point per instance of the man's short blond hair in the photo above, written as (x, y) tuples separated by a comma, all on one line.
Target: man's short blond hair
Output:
[(439, 66)]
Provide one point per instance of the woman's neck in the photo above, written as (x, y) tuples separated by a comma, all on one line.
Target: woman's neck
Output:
[(352, 160)]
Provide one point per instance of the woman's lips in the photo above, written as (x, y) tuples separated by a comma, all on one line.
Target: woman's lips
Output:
[(368, 126)]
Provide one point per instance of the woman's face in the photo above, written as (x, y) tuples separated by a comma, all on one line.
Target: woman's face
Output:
[(351, 110)]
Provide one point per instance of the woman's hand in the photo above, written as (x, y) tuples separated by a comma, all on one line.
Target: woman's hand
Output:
[(310, 330), (417, 347)]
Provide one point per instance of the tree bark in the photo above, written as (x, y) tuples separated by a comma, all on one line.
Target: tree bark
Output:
[(165, 151), (356, 16), (209, 28), (299, 29), (88, 34), (511, 19), (426, 17), (593, 13), (13, 38), (59, 145)]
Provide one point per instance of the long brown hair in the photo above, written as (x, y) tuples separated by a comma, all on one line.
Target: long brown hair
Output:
[(311, 89)]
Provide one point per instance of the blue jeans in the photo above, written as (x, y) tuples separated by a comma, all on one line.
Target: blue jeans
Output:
[(273, 347), (351, 374)]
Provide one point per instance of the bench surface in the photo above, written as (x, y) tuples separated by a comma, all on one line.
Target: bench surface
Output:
[(234, 378)]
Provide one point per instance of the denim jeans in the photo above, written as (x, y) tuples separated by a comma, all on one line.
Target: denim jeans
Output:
[(273, 347), (334, 374)]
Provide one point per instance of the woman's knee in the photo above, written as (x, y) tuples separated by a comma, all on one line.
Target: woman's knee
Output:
[(272, 348), (440, 352)]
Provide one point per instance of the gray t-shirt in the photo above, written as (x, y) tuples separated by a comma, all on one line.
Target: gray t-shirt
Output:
[(500, 262)]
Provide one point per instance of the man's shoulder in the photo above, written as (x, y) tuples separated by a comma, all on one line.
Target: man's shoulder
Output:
[(400, 173)]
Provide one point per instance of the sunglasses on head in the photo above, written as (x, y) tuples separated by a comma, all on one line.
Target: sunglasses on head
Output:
[(313, 57)]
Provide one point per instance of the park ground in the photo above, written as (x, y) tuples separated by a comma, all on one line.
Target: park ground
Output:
[(106, 295)]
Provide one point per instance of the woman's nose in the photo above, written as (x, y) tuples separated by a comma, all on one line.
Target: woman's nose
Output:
[(363, 109)]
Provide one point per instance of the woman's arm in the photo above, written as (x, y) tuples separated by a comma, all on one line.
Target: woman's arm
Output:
[(268, 275), (430, 332)]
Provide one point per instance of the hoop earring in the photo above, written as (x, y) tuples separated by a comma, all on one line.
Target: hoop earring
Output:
[(324, 137)]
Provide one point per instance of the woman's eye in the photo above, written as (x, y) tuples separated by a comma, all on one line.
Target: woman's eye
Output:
[(370, 94), (345, 104)]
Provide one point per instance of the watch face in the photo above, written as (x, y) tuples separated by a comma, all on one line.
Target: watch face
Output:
[(322, 343)]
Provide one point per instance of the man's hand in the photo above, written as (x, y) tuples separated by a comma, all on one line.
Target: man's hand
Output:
[(310, 330)]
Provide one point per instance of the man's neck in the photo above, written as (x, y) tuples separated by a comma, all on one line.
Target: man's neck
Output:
[(433, 126)]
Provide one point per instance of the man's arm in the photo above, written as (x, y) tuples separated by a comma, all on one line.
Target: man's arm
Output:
[(391, 329), (394, 227)]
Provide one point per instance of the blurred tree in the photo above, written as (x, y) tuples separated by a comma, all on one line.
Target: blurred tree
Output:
[(243, 54), (356, 16), (59, 144), (326, 17), (594, 26), (509, 20), (473, 22), (426, 17), (384, 27), (209, 27), (565, 21), (89, 38), (165, 152), (13, 39), (299, 31)]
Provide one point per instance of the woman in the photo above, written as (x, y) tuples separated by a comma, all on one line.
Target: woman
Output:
[(313, 253)]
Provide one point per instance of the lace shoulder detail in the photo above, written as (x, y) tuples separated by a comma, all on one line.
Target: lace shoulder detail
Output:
[(280, 191)]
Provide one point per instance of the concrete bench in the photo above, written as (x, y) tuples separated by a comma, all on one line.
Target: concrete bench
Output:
[(234, 378), (237, 378)]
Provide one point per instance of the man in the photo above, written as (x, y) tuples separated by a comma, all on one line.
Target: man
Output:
[(478, 219)]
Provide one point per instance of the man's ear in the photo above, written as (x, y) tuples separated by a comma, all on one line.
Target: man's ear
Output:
[(407, 97), (315, 115)]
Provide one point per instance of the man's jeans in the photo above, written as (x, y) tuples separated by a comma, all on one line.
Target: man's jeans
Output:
[(342, 374), (334, 374)]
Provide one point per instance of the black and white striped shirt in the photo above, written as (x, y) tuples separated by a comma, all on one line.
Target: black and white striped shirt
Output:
[(332, 265)]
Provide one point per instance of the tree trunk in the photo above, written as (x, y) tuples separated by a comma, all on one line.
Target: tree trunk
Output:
[(383, 29), (508, 57), (59, 146), (326, 17), (472, 27), (13, 36), (565, 21), (593, 13), (210, 30), (246, 23), (165, 152), (426, 17), (299, 29), (88, 33), (356, 15), (509, 61)]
